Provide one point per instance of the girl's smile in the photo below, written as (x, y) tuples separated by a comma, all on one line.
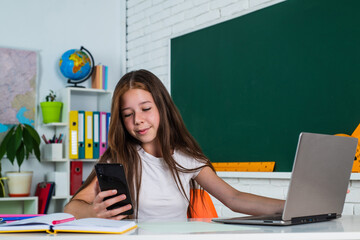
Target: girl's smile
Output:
[(143, 131), (141, 118)]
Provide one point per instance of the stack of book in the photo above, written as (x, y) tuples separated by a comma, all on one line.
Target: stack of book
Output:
[(99, 78)]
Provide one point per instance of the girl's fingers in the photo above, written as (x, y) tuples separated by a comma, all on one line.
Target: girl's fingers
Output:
[(100, 206), (113, 200), (116, 213), (101, 195)]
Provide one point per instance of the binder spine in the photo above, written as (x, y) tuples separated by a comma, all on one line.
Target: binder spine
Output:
[(81, 134), (88, 135), (108, 119), (73, 133), (96, 134), (76, 171), (103, 133)]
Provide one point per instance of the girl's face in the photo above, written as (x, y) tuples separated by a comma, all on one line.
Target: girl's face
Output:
[(141, 118)]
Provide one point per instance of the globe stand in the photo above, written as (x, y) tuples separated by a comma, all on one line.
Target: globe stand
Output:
[(76, 82)]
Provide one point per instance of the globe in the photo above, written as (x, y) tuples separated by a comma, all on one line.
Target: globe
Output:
[(76, 65)]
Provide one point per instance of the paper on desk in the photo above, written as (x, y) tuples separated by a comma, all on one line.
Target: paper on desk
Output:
[(190, 227)]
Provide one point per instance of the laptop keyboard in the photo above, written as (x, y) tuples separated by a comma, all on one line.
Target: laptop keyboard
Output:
[(264, 217)]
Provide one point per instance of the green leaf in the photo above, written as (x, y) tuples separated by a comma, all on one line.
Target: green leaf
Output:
[(32, 141), (33, 133), (11, 148), (3, 146), (20, 154), (28, 140), (18, 137), (37, 152), (27, 152)]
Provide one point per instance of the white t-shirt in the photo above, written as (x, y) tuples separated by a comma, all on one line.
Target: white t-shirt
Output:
[(159, 195)]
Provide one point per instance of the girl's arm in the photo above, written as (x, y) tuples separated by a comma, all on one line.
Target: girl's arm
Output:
[(89, 203), (235, 200)]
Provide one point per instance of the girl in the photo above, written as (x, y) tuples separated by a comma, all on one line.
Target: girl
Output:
[(162, 161)]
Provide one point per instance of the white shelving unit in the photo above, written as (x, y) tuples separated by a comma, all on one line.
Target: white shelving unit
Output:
[(19, 205), (74, 99)]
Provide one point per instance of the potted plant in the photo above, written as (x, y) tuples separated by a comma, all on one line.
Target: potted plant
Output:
[(18, 143), (51, 109)]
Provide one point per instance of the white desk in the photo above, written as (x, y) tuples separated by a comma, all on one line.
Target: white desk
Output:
[(347, 227)]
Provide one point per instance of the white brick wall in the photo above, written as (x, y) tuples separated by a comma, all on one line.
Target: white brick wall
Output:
[(150, 26), (152, 23)]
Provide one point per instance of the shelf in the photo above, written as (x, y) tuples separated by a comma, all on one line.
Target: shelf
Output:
[(55, 160), (60, 197), (55, 124), (19, 205), (84, 160), (5, 199), (67, 160), (94, 90), (74, 99)]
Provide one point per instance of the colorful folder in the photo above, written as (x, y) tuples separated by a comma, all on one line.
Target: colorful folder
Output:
[(76, 172), (81, 134), (44, 192), (103, 133), (108, 118), (73, 133), (96, 133), (88, 135)]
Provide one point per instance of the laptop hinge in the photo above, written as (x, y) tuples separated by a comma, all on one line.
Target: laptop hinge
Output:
[(314, 218)]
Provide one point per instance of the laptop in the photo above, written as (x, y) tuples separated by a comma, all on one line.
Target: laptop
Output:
[(318, 185)]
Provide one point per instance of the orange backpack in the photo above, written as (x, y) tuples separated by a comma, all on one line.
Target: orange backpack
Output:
[(203, 207)]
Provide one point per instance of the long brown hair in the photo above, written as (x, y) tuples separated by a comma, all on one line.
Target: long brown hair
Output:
[(172, 134)]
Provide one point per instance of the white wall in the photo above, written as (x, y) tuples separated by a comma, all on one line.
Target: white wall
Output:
[(51, 27)]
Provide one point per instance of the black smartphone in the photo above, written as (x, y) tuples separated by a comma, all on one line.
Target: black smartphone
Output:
[(112, 176)]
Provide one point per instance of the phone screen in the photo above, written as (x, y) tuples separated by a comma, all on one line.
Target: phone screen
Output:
[(112, 176)]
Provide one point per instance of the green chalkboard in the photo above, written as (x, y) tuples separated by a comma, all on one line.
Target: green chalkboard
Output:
[(247, 87)]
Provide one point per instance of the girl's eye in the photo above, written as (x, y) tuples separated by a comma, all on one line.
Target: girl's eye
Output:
[(127, 115), (146, 109)]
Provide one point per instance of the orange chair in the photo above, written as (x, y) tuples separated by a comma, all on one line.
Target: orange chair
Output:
[(203, 206)]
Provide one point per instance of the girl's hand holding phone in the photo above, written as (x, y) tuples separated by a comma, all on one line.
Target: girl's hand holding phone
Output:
[(100, 206)]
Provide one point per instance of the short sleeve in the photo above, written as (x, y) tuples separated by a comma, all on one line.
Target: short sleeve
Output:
[(188, 162)]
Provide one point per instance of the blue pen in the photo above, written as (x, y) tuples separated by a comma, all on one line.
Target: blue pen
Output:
[(16, 218)]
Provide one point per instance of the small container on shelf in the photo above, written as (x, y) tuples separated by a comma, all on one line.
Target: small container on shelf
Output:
[(53, 152), (60, 183)]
